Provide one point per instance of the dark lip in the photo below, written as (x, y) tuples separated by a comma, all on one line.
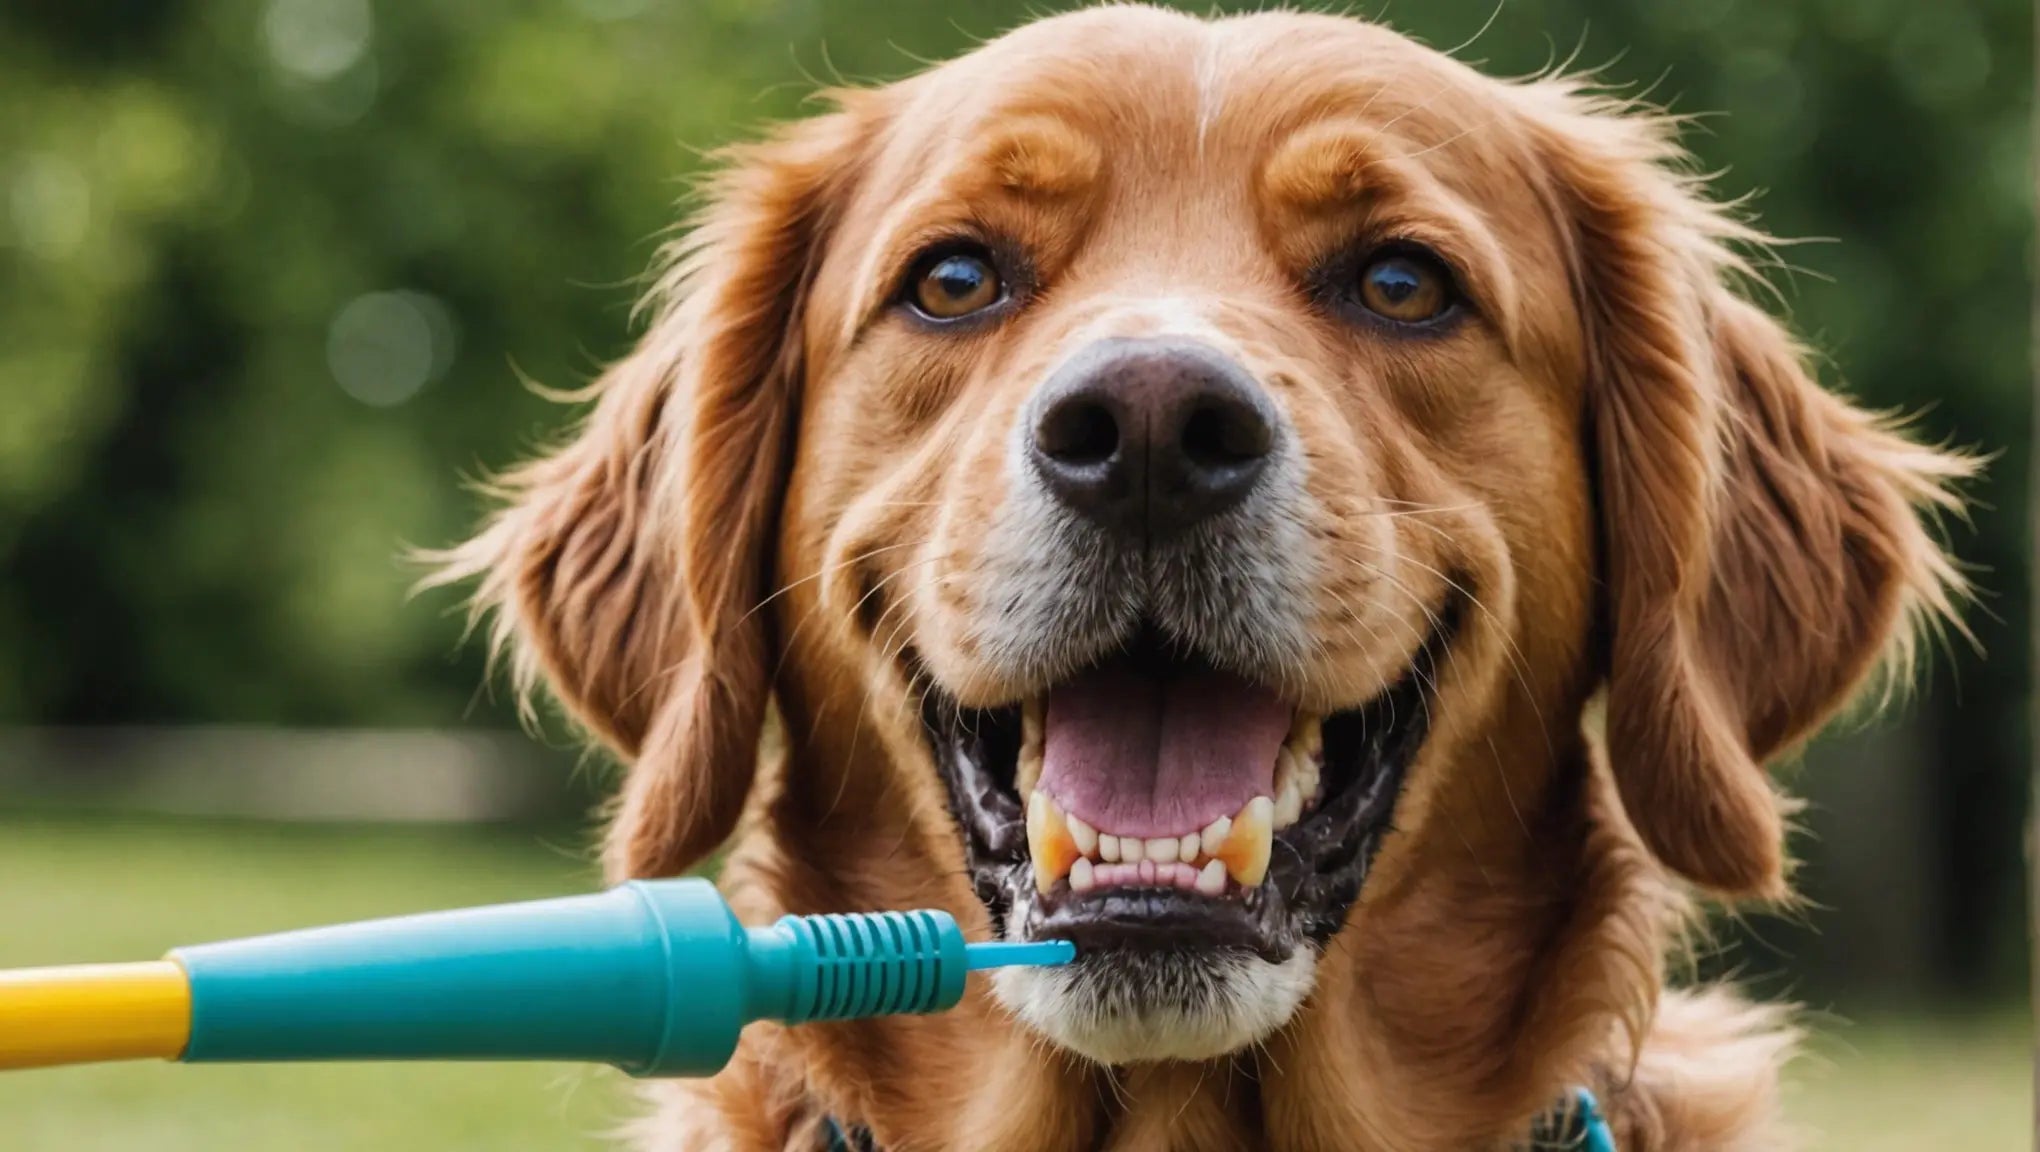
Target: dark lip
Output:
[(1157, 919), (1316, 869)]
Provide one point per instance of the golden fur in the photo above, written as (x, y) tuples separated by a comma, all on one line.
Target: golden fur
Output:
[(1685, 556)]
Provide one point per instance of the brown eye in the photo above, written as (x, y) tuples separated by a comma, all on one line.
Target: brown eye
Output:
[(951, 286), (1406, 287)]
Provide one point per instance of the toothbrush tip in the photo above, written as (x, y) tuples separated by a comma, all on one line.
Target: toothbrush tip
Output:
[(1029, 954)]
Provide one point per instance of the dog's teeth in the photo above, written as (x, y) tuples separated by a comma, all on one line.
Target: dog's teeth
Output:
[(1048, 841), (1027, 770), (1307, 735), (1295, 770), (1214, 834), (1082, 877), (1288, 804), (1245, 851), (1086, 837), (1065, 846), (1211, 878)]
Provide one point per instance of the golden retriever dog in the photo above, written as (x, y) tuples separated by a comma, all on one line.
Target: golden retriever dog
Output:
[(1314, 525)]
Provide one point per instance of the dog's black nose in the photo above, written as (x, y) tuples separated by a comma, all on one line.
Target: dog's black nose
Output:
[(1148, 437)]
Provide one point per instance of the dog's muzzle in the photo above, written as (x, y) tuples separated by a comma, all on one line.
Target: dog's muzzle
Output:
[(1160, 801)]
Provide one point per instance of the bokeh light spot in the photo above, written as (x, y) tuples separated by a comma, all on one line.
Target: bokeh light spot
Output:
[(385, 346), (1942, 56), (317, 39), (50, 205)]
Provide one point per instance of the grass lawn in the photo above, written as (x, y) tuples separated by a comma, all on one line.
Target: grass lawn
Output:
[(72, 890)]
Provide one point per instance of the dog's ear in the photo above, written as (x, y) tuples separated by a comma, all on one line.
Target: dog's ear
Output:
[(1762, 540), (626, 568)]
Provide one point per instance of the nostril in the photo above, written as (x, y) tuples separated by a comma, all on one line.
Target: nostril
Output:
[(1225, 435), (1078, 432)]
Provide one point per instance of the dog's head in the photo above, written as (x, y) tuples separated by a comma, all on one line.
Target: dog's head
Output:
[(1183, 483)]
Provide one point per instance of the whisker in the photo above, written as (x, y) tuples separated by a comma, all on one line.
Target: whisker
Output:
[(1508, 793), (1423, 505), (1517, 664), (1428, 681), (1421, 510), (890, 655), (786, 648), (832, 568)]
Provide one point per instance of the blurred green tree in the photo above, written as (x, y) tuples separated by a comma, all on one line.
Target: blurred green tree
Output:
[(270, 271)]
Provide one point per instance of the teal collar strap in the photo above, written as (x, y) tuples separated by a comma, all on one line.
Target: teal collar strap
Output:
[(1579, 1126)]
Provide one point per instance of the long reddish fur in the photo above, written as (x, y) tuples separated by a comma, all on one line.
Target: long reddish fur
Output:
[(1761, 547)]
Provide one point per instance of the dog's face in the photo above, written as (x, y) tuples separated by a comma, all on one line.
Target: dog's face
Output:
[(1183, 482), (1182, 434)]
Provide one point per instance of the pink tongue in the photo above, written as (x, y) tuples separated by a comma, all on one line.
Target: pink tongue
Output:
[(1139, 756)]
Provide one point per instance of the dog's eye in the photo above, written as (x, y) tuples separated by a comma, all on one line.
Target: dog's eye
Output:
[(953, 284), (1406, 286)]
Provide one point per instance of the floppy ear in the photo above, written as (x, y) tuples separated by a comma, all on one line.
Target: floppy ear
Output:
[(1762, 539), (626, 568)]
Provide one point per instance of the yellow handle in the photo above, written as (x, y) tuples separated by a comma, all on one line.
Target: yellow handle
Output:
[(51, 1016)]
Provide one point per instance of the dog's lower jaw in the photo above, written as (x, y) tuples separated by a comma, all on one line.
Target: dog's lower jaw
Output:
[(1141, 1008)]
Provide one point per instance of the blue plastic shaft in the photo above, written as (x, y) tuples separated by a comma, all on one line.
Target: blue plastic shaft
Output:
[(1037, 954), (655, 977)]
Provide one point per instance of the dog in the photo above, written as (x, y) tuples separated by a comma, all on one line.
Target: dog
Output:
[(1325, 530)]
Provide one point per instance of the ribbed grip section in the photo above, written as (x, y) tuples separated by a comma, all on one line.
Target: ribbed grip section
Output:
[(877, 964)]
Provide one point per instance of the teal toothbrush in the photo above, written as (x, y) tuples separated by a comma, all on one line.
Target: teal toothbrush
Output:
[(655, 977)]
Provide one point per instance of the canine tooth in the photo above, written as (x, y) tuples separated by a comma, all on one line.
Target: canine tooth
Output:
[(1082, 878), (1027, 770), (1048, 841), (1245, 851), (1086, 837), (1108, 848), (1211, 879), (1188, 849), (1288, 804), (1214, 834), (1132, 849), (1162, 849)]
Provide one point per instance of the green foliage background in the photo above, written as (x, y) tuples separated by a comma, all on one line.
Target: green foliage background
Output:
[(214, 213)]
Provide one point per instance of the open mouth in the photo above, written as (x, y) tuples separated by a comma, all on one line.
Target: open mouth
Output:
[(1154, 803)]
